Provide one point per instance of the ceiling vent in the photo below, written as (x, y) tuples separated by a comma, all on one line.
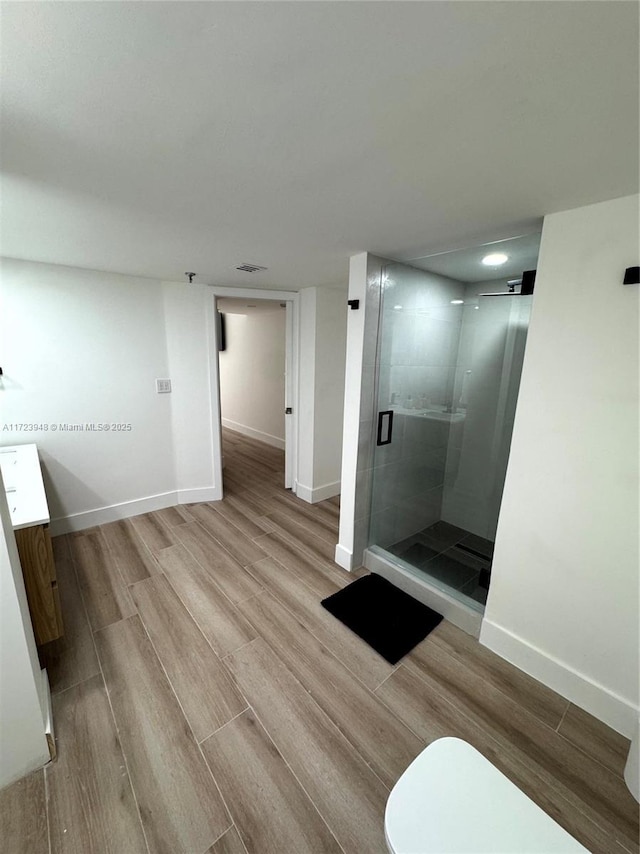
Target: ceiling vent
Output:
[(250, 268)]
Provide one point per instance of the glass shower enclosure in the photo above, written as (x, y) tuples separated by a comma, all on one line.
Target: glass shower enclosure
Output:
[(451, 341)]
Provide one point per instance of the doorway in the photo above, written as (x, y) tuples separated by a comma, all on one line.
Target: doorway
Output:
[(255, 346)]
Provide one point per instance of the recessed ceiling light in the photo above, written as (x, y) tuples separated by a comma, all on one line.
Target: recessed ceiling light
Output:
[(457, 302), (495, 259), (397, 308)]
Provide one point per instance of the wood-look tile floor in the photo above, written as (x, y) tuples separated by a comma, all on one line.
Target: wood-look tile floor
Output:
[(206, 703)]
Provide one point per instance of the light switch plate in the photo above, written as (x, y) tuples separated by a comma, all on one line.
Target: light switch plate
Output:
[(163, 386)]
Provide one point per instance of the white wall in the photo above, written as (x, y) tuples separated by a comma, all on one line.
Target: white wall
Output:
[(252, 371), (79, 346), (365, 272), (563, 603), (306, 396), (23, 710), (330, 354), (189, 328), (323, 329)]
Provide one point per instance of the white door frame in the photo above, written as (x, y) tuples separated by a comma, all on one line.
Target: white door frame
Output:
[(292, 356)]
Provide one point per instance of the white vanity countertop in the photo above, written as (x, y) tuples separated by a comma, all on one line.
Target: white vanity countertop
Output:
[(23, 484)]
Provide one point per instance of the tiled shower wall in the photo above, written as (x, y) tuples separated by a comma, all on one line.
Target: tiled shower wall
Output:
[(490, 358), (415, 361)]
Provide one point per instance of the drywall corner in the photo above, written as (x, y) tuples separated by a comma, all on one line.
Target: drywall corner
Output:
[(362, 323), (306, 386), (191, 347)]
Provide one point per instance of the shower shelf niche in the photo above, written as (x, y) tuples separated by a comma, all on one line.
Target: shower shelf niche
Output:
[(431, 414)]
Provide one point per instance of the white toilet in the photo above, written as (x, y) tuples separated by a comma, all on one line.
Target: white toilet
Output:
[(451, 799)]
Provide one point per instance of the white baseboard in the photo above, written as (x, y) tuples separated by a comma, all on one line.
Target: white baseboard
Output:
[(102, 515), (267, 438), (195, 496), (607, 706), (320, 493), (344, 558)]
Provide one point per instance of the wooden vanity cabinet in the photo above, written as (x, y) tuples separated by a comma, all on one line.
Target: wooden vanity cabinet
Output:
[(29, 511), (39, 571)]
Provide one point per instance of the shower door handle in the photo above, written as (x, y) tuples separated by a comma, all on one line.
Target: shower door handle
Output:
[(385, 427)]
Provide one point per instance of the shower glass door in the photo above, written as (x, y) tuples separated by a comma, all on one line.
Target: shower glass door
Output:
[(448, 367)]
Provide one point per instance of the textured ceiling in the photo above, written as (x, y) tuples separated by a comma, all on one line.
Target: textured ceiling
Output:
[(153, 138)]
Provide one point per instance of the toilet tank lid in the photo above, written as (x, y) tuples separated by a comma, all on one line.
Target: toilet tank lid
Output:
[(452, 799)]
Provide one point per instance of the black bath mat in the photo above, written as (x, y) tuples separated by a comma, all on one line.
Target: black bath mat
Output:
[(389, 620)]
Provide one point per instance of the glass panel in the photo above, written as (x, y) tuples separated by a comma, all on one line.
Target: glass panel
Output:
[(448, 365)]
